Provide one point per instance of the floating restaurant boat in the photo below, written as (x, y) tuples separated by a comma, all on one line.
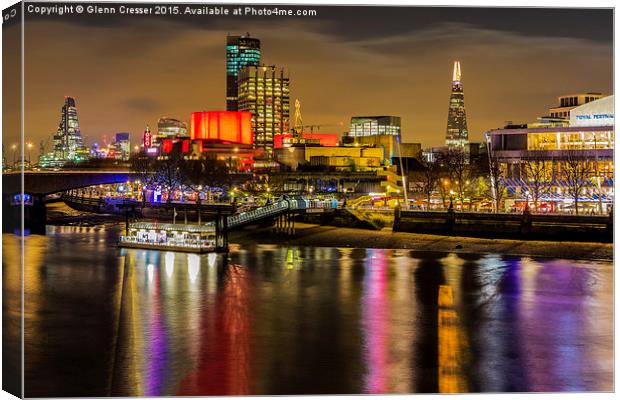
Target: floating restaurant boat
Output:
[(190, 238)]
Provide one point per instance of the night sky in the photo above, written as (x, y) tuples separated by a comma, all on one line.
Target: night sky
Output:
[(127, 71)]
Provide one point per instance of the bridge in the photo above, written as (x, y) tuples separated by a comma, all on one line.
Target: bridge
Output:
[(41, 183), (35, 185)]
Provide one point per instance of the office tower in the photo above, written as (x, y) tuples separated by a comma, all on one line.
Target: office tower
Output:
[(372, 126), (264, 91), (67, 139), (456, 133), (122, 145), (241, 51), (67, 142)]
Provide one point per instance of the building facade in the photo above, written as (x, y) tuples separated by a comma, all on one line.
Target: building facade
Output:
[(456, 132), (170, 128), (122, 146), (241, 51), (552, 165), (373, 126), (264, 91), (567, 102)]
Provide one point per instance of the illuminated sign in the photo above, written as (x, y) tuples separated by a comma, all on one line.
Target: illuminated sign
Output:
[(148, 138), (232, 126), (594, 116)]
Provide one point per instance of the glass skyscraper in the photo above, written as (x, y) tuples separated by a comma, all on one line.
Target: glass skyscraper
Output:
[(68, 144), (264, 91), (456, 133), (241, 51)]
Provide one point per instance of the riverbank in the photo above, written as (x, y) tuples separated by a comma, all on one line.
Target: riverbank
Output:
[(329, 236)]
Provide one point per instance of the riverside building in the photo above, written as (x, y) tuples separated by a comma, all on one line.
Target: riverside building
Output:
[(573, 158)]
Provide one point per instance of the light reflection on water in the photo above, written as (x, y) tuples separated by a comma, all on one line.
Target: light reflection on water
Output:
[(288, 320)]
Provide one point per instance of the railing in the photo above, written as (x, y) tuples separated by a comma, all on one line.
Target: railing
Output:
[(258, 214)]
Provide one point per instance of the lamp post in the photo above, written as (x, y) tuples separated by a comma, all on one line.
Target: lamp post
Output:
[(29, 148), (14, 148)]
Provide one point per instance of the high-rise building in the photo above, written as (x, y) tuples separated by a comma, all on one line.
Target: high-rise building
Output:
[(241, 51), (68, 143), (122, 146), (264, 91), (67, 138), (170, 128), (456, 133), (372, 126)]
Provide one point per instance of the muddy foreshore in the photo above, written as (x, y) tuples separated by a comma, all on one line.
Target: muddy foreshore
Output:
[(329, 236)]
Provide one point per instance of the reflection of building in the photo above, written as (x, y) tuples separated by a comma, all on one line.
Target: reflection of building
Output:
[(370, 126), (568, 102), (241, 51), (456, 133), (264, 91), (170, 128), (580, 154), (68, 144)]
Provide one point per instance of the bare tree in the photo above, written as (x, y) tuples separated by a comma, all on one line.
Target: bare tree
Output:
[(455, 160), (538, 179), (426, 180), (575, 173), (206, 171), (497, 183)]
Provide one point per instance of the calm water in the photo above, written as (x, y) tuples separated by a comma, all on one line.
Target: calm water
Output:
[(286, 320)]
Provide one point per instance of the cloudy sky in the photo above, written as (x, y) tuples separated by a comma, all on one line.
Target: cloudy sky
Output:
[(125, 72)]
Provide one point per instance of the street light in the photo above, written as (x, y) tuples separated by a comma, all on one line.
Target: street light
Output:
[(29, 148), (14, 148)]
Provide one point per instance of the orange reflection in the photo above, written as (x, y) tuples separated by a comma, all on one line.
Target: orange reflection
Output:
[(451, 345)]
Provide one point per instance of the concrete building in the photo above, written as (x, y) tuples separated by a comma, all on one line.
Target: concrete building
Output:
[(567, 102), (570, 159)]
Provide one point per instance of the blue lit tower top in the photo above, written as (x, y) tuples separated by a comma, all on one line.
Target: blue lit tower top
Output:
[(456, 133), (241, 51)]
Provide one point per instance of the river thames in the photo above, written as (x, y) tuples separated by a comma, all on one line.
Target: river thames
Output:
[(277, 319)]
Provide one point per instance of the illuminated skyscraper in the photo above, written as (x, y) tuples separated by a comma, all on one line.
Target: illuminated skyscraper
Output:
[(456, 133), (68, 143), (264, 91), (241, 51)]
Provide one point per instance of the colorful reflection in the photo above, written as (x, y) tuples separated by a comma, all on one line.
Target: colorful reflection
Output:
[(375, 322), (340, 321)]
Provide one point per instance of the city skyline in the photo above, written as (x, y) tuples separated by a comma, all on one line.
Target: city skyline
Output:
[(335, 74)]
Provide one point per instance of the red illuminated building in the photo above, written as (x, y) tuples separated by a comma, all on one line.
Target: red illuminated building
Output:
[(225, 126)]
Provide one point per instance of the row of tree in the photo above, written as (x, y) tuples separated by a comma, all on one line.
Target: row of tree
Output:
[(483, 178)]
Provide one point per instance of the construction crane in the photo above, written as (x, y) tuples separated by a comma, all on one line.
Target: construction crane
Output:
[(298, 125)]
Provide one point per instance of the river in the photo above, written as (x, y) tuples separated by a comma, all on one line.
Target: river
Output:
[(272, 319)]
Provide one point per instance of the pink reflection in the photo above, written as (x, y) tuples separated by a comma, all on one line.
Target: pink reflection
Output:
[(375, 322), (224, 361)]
